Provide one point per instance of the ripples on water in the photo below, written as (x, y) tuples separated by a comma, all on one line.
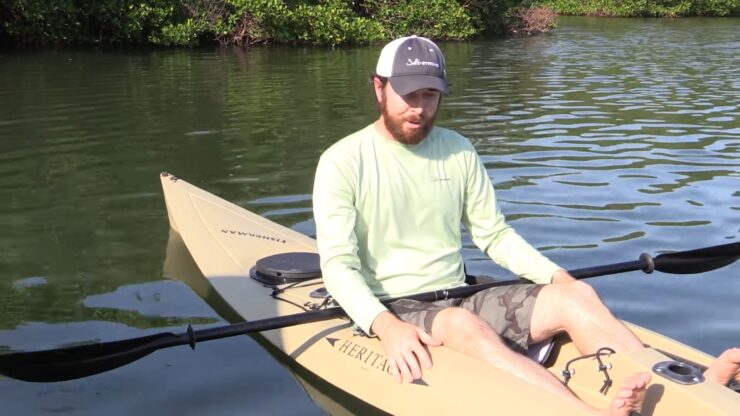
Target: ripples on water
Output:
[(606, 143), (640, 140), (605, 138)]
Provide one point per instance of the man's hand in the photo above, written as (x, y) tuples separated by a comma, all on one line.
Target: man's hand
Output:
[(562, 276), (404, 345)]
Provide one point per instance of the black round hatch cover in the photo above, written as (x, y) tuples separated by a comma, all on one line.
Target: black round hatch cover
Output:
[(286, 268)]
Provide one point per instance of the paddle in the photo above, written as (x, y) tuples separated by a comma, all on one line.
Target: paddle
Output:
[(85, 360)]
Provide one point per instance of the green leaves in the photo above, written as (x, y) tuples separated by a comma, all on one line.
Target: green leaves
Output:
[(323, 22), (191, 22), (317, 22), (635, 8), (84, 21), (436, 19)]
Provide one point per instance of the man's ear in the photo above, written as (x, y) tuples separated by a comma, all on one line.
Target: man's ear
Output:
[(378, 88)]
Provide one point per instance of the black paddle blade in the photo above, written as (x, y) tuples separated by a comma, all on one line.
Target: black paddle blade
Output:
[(81, 361), (699, 260)]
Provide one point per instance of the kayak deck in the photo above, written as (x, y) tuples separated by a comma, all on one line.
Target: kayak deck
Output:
[(225, 241)]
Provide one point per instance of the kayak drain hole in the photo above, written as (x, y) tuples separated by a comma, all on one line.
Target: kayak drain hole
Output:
[(679, 372)]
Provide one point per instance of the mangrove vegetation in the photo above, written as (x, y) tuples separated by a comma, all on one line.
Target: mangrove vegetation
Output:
[(319, 22)]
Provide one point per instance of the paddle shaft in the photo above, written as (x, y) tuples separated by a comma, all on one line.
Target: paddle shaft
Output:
[(193, 337), (244, 328), (336, 312), (714, 257), (85, 360)]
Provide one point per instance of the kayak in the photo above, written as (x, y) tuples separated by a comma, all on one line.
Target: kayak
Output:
[(262, 270)]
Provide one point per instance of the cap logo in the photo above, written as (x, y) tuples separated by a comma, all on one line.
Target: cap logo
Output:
[(417, 62), (412, 63)]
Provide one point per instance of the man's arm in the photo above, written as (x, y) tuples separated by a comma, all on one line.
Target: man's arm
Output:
[(490, 232), (562, 276), (335, 216)]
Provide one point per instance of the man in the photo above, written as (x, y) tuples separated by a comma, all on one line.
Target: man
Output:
[(388, 204)]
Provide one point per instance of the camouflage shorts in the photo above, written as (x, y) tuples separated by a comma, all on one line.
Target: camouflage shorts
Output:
[(508, 309)]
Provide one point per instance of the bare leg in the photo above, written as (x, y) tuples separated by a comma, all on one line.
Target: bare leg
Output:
[(461, 330), (725, 368), (576, 309)]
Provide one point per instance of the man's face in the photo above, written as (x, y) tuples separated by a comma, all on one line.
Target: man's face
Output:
[(408, 118)]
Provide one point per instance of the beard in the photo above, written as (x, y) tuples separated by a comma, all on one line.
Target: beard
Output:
[(394, 124)]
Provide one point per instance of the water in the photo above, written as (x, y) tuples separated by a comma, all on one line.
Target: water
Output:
[(605, 138)]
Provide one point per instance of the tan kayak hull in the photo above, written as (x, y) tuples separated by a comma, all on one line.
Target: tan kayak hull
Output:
[(226, 241)]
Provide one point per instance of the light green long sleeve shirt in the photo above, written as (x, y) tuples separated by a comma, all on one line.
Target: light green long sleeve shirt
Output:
[(388, 219)]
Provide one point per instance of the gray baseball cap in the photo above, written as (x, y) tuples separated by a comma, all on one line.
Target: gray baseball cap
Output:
[(412, 63)]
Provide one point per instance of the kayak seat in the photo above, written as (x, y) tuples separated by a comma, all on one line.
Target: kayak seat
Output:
[(540, 351)]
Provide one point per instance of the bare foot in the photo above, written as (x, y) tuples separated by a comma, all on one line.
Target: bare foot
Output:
[(630, 395), (725, 368)]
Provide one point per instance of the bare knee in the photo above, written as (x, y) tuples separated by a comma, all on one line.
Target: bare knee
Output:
[(567, 304), (455, 322), (580, 294)]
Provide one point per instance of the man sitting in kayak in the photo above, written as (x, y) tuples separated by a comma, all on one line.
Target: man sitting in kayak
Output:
[(388, 203)]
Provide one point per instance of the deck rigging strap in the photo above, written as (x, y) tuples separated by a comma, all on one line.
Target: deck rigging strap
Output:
[(568, 373)]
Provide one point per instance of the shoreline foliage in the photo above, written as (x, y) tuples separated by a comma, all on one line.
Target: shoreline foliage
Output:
[(313, 22), (643, 8)]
